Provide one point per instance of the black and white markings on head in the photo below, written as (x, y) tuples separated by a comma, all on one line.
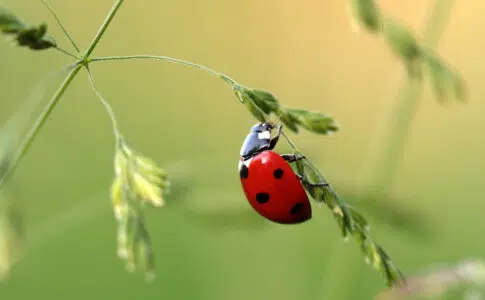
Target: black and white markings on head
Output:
[(259, 139), (260, 127), (244, 168), (254, 143), (264, 135)]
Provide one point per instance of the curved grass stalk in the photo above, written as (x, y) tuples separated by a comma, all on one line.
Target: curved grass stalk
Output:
[(350, 222), (107, 106), (224, 77)]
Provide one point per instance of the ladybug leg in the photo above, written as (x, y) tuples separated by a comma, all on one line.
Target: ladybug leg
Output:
[(274, 140), (292, 157), (308, 183)]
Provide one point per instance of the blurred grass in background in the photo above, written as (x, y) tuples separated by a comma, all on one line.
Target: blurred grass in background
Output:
[(209, 244)]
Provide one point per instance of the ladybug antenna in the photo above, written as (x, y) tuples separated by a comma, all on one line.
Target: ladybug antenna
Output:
[(260, 127), (268, 126)]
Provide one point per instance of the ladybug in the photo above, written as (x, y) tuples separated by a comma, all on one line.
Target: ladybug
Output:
[(269, 183)]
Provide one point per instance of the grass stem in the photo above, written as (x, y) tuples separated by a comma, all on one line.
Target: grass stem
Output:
[(169, 59), (106, 105), (102, 29), (39, 123), (407, 103)]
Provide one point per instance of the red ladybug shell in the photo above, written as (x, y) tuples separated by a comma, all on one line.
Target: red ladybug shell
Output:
[(273, 189)]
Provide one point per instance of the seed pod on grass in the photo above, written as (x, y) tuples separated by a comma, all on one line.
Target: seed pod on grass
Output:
[(138, 181), (264, 100), (289, 120), (32, 37), (368, 14), (314, 121), (9, 23)]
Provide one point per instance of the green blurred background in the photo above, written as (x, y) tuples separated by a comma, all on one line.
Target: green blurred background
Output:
[(209, 244)]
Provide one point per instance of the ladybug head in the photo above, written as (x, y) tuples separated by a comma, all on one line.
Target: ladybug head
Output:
[(257, 140), (262, 127)]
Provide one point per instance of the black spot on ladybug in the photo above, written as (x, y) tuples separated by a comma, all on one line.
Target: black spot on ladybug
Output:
[(244, 172), (262, 197), (278, 173), (296, 208)]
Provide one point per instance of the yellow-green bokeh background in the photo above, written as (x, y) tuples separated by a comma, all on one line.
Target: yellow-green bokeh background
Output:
[(307, 53)]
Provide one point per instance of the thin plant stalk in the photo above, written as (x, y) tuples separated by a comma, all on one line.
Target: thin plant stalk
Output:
[(61, 26), (39, 123), (169, 59), (107, 106), (407, 103), (28, 107), (65, 52), (102, 29)]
